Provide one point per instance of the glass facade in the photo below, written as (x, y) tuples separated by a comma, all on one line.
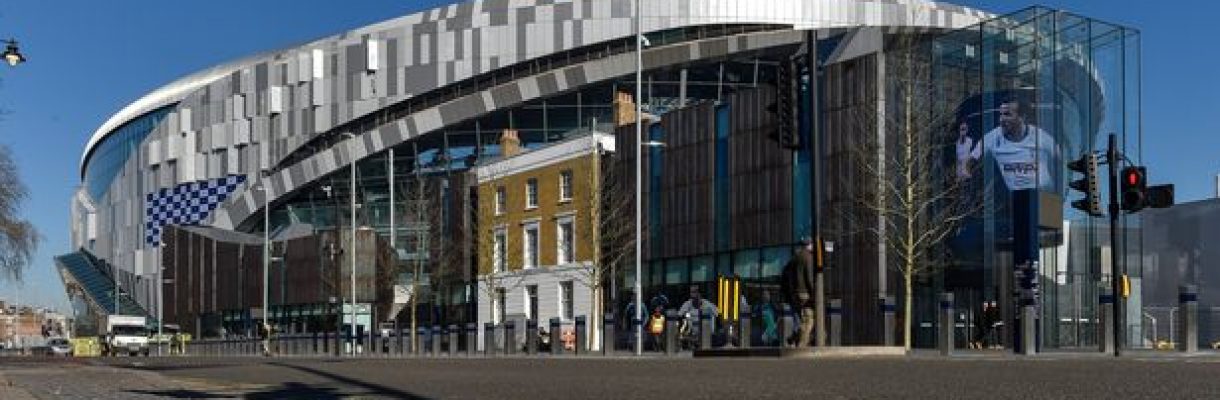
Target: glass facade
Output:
[(1031, 91), (108, 157)]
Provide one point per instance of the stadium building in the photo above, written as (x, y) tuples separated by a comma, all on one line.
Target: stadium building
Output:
[(339, 183)]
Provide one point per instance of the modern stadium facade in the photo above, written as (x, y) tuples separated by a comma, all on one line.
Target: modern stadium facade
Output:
[(438, 109)]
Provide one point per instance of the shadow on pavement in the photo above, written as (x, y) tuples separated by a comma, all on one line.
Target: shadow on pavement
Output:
[(374, 389), (289, 390)]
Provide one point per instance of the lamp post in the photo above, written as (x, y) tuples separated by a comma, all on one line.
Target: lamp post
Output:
[(12, 55), (261, 187), (352, 188), (639, 138)]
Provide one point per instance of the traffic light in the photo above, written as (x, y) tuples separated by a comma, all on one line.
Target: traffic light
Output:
[(1134, 189), (785, 105), (1091, 203), (1160, 196)]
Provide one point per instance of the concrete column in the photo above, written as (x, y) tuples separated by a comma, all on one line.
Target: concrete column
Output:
[(671, 332), (581, 335), (453, 339), (743, 330), (556, 337), (436, 340), (888, 308), (944, 333), (608, 337), (1188, 318), (531, 337), (835, 314)]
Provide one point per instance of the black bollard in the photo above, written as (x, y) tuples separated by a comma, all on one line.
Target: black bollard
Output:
[(472, 338), (436, 340), (454, 332), (531, 337), (510, 337), (556, 338), (608, 343), (581, 332), (489, 339), (744, 330), (671, 332)]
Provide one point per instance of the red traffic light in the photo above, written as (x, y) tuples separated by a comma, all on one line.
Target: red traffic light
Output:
[(1134, 176)]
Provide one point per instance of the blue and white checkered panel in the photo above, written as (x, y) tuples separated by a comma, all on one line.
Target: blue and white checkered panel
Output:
[(185, 204)]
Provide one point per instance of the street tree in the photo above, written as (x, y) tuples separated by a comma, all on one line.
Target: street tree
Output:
[(909, 197), (18, 237)]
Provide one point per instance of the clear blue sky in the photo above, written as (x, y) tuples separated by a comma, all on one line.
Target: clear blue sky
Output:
[(90, 58)]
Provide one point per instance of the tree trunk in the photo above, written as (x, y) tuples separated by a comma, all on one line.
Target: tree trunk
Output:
[(908, 298), (595, 320)]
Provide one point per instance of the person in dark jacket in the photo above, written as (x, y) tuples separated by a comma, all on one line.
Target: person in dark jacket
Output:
[(798, 286)]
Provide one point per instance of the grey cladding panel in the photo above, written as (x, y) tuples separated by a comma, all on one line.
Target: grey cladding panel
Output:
[(507, 94), (547, 84)]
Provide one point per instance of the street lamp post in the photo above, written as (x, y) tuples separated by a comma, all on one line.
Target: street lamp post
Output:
[(12, 55), (352, 250), (639, 153)]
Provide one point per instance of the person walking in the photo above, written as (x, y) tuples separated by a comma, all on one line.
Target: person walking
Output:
[(798, 285)]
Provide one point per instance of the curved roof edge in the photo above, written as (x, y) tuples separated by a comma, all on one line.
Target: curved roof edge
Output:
[(181, 88)]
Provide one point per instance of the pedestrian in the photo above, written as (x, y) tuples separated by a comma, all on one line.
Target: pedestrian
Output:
[(798, 284), (768, 313), (266, 331)]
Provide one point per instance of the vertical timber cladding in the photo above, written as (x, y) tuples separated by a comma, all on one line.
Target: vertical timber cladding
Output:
[(760, 173), (686, 195), (849, 113)]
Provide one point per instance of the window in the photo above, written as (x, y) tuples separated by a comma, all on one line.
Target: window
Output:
[(567, 241), (531, 302), (531, 245), (531, 193), (565, 300), (501, 200), (500, 250), (501, 305), (565, 185)]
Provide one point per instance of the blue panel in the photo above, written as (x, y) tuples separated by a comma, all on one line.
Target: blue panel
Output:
[(721, 190), (109, 156)]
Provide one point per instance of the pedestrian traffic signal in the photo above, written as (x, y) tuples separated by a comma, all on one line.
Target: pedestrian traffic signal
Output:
[(1091, 203), (1160, 196), (785, 106), (1134, 189)]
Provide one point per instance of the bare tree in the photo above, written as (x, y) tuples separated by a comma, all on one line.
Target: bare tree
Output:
[(421, 211), (18, 237), (912, 201), (610, 205)]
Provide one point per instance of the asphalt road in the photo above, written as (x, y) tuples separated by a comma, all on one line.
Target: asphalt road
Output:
[(538, 379)]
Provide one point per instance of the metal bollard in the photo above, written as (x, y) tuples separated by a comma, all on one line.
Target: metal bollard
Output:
[(671, 332), (835, 312), (581, 334), (556, 338), (510, 337), (472, 338), (531, 337), (786, 323), (489, 339), (743, 330), (707, 323), (1188, 324), (944, 337), (608, 343), (888, 308), (436, 340), (421, 340), (453, 339)]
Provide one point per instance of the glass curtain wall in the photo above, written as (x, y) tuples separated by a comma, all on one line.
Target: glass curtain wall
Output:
[(1034, 90)]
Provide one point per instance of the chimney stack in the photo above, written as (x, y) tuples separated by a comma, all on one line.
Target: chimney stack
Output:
[(624, 109), (510, 144)]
